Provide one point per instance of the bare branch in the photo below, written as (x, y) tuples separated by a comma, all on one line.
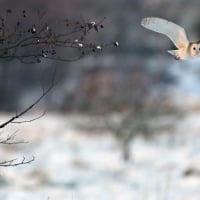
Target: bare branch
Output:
[(18, 115), (16, 162), (31, 120), (45, 40), (9, 140)]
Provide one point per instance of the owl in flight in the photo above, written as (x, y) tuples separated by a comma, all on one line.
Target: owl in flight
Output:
[(185, 49)]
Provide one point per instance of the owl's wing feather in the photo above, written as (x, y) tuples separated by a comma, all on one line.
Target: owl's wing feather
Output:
[(175, 32)]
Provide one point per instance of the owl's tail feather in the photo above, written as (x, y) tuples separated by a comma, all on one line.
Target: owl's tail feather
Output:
[(175, 53)]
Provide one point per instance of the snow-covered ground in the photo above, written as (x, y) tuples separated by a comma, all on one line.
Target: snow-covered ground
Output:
[(74, 164)]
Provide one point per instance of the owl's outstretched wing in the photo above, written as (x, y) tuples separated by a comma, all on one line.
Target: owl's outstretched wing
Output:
[(175, 32)]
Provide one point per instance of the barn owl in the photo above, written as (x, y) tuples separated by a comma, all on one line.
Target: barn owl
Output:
[(185, 49)]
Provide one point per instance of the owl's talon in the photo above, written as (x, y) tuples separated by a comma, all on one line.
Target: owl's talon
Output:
[(177, 57)]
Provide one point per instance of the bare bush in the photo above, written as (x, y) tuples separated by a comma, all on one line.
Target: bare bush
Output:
[(31, 41)]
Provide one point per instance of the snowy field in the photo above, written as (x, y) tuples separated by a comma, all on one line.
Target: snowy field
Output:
[(73, 164)]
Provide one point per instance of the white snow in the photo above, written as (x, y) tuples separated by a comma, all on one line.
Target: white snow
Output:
[(74, 164)]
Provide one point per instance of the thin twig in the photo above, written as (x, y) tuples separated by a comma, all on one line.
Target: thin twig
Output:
[(31, 120), (13, 163), (9, 140)]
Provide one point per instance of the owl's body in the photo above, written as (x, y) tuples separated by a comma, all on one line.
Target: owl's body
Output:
[(185, 49)]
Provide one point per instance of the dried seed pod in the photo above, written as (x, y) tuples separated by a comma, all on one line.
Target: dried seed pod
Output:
[(33, 30), (116, 43)]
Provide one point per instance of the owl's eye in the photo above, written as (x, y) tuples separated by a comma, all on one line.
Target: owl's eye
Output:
[(194, 48)]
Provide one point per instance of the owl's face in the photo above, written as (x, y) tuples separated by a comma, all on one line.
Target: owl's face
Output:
[(194, 49)]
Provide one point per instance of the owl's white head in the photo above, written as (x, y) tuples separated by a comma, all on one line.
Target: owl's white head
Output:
[(194, 49)]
